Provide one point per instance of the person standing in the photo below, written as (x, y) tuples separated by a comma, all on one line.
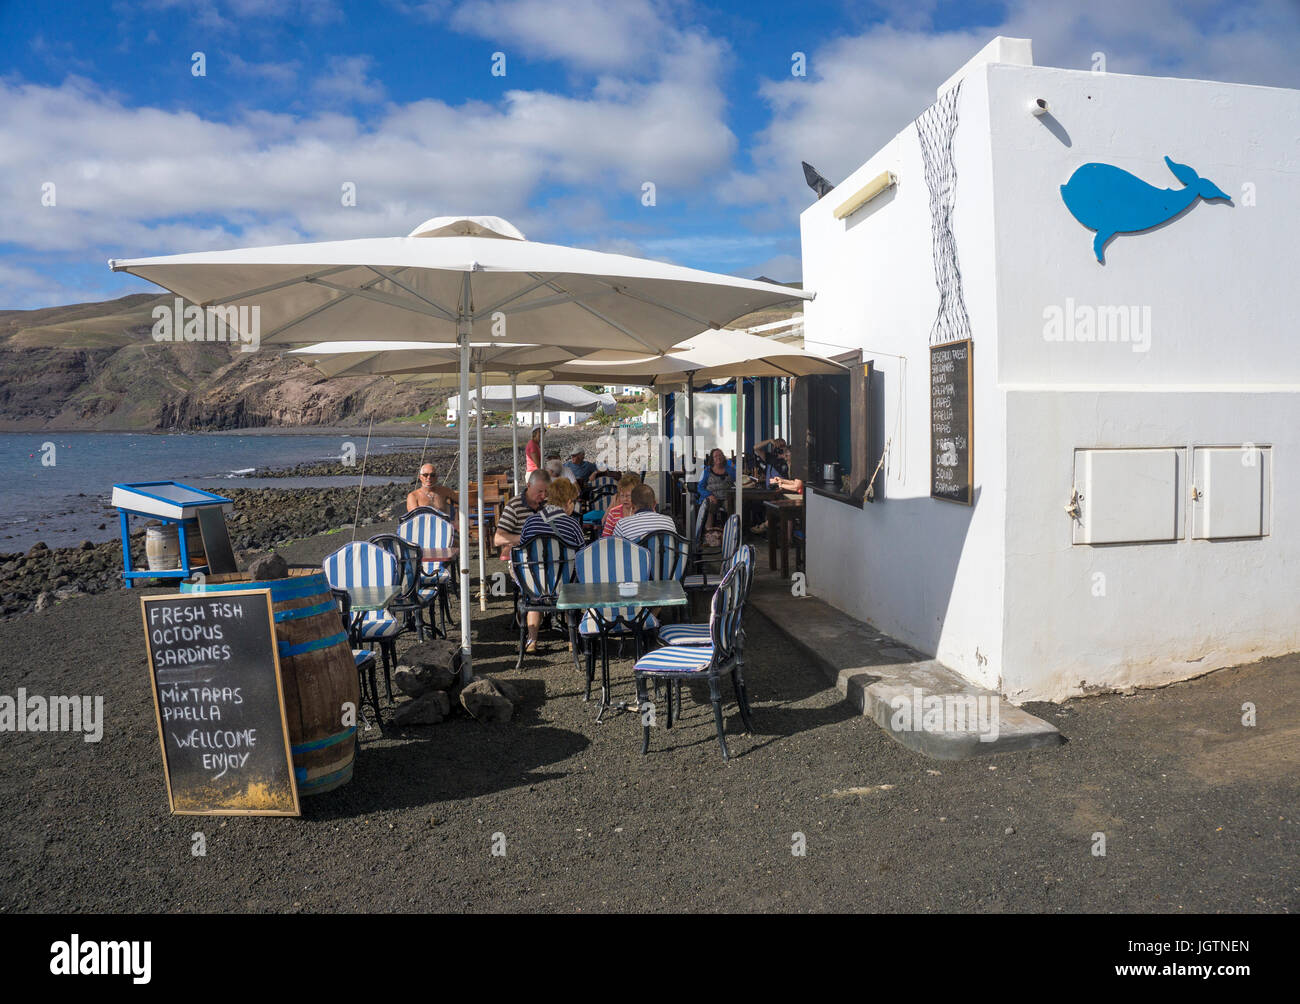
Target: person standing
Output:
[(533, 451)]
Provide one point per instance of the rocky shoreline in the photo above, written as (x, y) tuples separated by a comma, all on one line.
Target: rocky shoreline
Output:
[(262, 518)]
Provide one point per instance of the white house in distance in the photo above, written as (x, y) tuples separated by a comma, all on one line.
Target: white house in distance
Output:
[(563, 404), (1134, 425)]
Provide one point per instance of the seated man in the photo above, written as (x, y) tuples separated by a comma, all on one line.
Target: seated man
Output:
[(556, 517), (644, 519), (622, 503), (553, 466), (578, 468), (429, 492), (518, 509)]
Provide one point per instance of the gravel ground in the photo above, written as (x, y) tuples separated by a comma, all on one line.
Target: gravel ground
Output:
[(1199, 813)]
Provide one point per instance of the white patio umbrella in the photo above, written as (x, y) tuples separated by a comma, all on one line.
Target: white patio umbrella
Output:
[(455, 279), (502, 363), (711, 355), (495, 363)]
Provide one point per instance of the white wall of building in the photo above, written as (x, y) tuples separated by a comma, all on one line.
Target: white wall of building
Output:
[(924, 571), (999, 592), (1222, 368)]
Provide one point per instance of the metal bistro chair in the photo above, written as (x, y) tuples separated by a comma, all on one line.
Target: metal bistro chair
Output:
[(699, 634), (669, 554), (722, 656), (429, 529), (408, 605), (364, 658), (601, 479), (362, 563), (698, 578), (539, 567), (598, 501), (610, 559)]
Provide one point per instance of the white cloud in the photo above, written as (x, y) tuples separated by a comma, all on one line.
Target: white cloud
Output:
[(280, 74), (347, 78), (624, 36), (862, 90), (133, 181)]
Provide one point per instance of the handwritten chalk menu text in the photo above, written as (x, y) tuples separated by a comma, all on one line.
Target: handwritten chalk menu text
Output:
[(220, 703), (952, 476)]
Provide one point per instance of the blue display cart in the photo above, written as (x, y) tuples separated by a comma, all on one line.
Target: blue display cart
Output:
[(167, 502)]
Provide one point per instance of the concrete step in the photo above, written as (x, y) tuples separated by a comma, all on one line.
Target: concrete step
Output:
[(919, 702)]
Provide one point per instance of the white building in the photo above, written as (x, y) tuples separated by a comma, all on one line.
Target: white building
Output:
[(1155, 396), (555, 405)]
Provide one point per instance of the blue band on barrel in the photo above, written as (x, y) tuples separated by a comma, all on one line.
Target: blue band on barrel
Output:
[(281, 589), (286, 650), (300, 775), (300, 612), (320, 744)]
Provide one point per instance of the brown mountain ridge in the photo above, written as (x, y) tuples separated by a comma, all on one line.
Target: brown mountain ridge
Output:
[(95, 367)]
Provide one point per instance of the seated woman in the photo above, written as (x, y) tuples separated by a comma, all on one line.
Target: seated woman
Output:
[(622, 503), (555, 516), (717, 477)]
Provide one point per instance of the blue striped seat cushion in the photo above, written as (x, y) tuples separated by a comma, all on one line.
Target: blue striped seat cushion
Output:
[(698, 581), (362, 656), (588, 625), (379, 627), (676, 659), (427, 594), (595, 516), (685, 634)]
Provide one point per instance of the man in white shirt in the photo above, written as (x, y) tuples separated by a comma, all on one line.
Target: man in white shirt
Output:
[(644, 520)]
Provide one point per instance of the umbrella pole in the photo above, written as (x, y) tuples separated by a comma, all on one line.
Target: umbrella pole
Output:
[(541, 440), (740, 453), (514, 428), (688, 454), (463, 327), (478, 450)]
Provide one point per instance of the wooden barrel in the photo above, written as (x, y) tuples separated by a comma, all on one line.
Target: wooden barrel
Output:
[(317, 669), (162, 546)]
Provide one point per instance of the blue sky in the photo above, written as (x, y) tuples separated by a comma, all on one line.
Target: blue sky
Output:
[(398, 97)]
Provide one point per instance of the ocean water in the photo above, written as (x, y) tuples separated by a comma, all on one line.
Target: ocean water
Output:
[(56, 486)]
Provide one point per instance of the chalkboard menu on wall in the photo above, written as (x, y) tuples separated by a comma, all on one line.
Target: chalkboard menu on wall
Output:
[(220, 704), (952, 458)]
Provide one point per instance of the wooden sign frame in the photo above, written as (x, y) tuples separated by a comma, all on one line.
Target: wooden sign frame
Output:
[(279, 692), (969, 479)]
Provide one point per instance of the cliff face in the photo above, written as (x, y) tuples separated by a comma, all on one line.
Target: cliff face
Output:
[(96, 367)]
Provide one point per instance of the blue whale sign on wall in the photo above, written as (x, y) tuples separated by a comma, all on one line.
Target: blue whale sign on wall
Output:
[(1111, 201)]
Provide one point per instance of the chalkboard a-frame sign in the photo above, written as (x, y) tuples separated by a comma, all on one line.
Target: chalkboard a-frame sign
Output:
[(952, 447), (219, 703)]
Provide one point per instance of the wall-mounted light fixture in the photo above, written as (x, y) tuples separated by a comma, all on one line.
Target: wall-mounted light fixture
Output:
[(1039, 106), (865, 194)]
